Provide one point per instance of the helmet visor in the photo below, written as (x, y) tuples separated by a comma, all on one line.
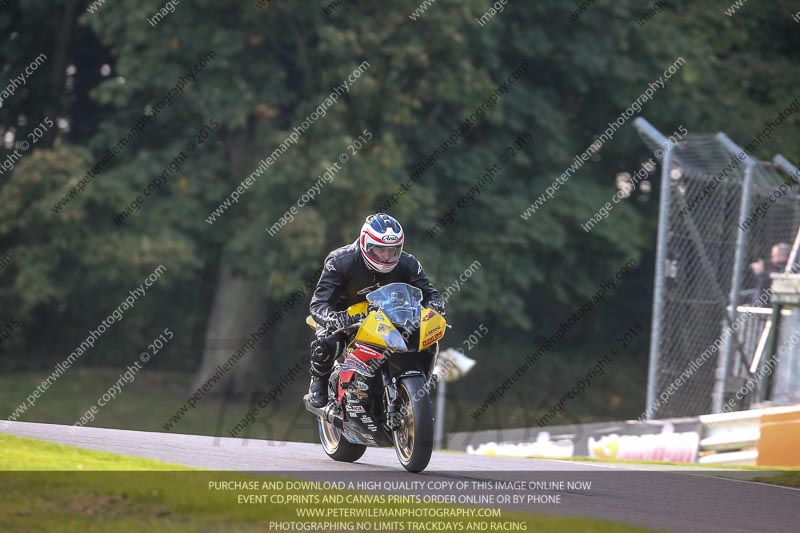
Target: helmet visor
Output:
[(388, 255)]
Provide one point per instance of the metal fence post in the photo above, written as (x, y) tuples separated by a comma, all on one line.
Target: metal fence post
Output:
[(441, 398), (721, 378), (794, 173), (661, 261)]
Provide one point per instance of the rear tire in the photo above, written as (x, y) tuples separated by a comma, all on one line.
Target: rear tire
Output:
[(336, 446), (413, 442)]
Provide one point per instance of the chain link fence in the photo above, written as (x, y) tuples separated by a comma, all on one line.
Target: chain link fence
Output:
[(720, 211)]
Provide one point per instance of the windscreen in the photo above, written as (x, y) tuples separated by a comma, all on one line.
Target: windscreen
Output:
[(399, 301)]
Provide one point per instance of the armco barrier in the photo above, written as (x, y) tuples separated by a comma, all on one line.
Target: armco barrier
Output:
[(763, 437), (730, 438)]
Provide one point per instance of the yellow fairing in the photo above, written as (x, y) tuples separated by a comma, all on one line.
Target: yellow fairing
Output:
[(358, 309), (431, 328), (374, 329), (311, 322)]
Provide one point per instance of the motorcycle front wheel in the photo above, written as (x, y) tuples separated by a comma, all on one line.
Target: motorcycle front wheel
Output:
[(413, 440), (335, 445)]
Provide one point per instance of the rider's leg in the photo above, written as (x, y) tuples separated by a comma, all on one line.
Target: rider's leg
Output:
[(324, 351)]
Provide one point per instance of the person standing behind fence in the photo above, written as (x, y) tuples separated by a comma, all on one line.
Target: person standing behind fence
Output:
[(779, 256)]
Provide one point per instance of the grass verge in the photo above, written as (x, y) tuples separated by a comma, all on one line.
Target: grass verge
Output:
[(149, 402), (674, 464), (786, 479)]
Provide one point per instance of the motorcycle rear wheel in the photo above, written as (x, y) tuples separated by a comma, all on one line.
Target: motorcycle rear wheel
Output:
[(413, 441), (335, 445)]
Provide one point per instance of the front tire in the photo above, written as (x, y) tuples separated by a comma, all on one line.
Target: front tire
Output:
[(336, 446), (413, 441)]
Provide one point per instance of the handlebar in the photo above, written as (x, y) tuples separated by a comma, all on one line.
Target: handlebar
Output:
[(341, 330)]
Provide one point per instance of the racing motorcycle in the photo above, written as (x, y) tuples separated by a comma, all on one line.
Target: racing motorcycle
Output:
[(378, 389)]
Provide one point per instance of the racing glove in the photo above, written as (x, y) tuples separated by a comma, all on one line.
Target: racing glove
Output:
[(438, 306), (341, 320)]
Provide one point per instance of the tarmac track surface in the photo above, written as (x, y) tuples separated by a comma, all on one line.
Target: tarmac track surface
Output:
[(686, 501)]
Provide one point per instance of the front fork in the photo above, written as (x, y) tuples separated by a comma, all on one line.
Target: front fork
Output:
[(390, 397), (393, 416)]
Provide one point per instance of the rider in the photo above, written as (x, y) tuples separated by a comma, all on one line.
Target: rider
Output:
[(350, 272)]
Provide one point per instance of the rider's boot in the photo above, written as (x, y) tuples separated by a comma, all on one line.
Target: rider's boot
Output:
[(318, 390)]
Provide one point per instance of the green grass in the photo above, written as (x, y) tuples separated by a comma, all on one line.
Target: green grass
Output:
[(785, 476), (25, 454), (671, 463), (788, 476), (786, 479), (96, 491), (149, 402)]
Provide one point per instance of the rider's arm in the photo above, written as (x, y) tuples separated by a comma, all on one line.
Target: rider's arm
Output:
[(327, 292), (418, 278)]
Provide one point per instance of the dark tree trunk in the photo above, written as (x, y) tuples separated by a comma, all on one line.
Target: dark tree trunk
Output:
[(238, 309)]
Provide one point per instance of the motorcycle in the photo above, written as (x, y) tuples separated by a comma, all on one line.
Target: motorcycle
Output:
[(378, 389)]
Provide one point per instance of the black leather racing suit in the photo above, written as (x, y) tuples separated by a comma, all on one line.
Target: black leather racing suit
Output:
[(346, 280)]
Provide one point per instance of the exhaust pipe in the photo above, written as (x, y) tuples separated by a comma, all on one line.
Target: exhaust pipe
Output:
[(327, 413)]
